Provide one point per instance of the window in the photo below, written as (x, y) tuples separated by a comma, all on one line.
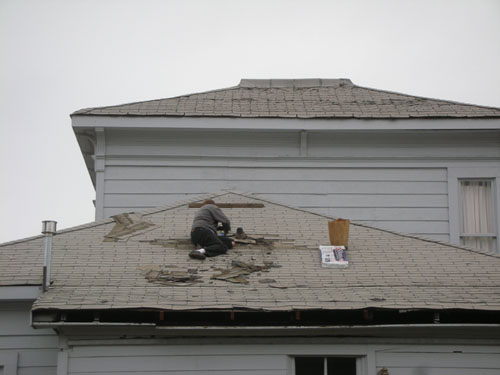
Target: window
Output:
[(325, 366), (477, 216)]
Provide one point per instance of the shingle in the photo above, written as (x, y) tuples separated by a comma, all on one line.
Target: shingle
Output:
[(386, 269), (306, 98), (384, 265)]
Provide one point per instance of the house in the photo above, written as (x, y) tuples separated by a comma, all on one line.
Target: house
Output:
[(395, 161), (126, 298)]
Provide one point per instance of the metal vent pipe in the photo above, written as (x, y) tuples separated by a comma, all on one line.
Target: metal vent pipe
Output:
[(49, 228)]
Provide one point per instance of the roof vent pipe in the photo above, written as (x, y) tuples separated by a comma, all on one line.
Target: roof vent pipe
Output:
[(48, 229)]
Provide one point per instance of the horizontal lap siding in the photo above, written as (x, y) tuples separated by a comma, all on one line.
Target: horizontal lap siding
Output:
[(183, 372), (412, 200), (415, 145), (173, 360), (445, 363), (36, 350), (277, 359), (394, 180), (177, 142)]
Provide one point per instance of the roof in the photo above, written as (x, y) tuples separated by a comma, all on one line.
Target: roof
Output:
[(297, 98), (98, 267)]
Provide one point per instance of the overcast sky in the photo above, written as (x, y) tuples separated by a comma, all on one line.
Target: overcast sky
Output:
[(60, 56)]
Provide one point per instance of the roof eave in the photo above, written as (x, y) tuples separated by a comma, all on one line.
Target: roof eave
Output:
[(290, 123)]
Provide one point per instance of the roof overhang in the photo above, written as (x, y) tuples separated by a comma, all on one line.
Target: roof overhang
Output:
[(250, 319), (411, 333), (81, 122)]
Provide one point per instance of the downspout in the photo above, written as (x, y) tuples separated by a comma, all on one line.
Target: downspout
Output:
[(48, 229)]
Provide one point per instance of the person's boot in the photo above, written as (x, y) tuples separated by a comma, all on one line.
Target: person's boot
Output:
[(240, 234), (197, 254)]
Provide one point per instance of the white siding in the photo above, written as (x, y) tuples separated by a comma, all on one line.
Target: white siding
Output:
[(238, 359), (181, 359), (35, 351), (434, 360), (395, 180)]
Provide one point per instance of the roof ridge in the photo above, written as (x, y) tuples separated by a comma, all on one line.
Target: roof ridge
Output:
[(109, 220), (296, 83), (353, 222), (91, 224)]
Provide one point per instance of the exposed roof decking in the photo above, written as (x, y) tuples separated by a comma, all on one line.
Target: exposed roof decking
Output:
[(296, 98), (386, 270)]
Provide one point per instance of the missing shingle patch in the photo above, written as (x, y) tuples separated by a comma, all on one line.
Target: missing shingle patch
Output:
[(171, 277), (239, 270)]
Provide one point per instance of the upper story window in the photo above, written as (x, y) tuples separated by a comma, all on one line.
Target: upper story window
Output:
[(325, 366), (478, 221)]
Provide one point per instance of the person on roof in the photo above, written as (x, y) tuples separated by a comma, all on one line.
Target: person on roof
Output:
[(204, 231)]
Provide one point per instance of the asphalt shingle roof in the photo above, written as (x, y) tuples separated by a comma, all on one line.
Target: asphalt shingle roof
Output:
[(297, 98), (386, 269)]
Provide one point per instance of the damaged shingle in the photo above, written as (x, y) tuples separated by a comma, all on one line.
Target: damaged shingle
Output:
[(125, 225), (175, 277), (240, 269)]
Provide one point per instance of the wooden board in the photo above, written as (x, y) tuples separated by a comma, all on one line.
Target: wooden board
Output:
[(230, 205)]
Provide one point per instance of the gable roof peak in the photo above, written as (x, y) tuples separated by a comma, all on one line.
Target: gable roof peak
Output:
[(294, 83)]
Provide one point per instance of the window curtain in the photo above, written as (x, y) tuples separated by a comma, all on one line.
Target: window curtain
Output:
[(477, 214)]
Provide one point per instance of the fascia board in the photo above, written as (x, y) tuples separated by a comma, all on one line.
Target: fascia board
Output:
[(402, 331), (82, 122), (20, 293)]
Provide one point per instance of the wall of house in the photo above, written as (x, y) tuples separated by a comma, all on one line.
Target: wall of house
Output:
[(397, 180), (216, 357), (24, 350)]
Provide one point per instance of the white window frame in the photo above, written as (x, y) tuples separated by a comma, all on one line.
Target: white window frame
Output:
[(365, 359), (359, 361), (457, 174)]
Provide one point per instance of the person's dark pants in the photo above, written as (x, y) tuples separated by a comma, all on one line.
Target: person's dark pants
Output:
[(214, 245)]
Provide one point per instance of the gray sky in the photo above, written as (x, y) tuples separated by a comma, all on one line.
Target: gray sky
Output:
[(60, 56)]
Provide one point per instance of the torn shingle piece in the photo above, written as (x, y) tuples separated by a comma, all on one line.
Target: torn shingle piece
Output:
[(125, 225)]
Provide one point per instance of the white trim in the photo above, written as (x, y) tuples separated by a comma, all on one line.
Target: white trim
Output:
[(8, 360), (303, 143), (359, 354), (369, 363), (99, 166), (62, 356), (291, 162), (232, 123), (20, 293)]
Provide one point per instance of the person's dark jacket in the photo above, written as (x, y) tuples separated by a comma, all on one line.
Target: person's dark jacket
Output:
[(209, 216)]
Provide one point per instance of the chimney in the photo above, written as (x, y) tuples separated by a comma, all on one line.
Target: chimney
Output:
[(48, 229)]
